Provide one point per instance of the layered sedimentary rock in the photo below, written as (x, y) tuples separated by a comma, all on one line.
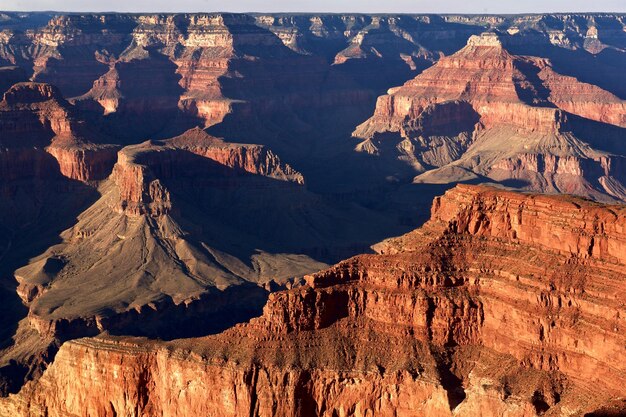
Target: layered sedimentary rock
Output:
[(142, 168), (34, 117), (83, 45), (223, 68), (84, 162), (157, 254), (582, 99), (137, 214), (502, 304), (67, 51), (498, 85), (482, 112)]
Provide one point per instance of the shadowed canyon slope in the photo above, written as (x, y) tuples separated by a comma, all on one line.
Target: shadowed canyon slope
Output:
[(483, 112), (482, 311), (185, 177)]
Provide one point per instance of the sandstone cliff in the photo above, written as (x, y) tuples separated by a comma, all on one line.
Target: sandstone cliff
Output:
[(34, 117), (483, 112), (157, 253), (502, 304)]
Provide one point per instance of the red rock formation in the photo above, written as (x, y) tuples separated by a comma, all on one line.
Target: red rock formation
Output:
[(34, 116), (583, 99), (69, 50), (502, 304), (252, 159), (592, 231), (136, 228), (84, 163), (141, 169), (484, 111), (34, 112), (502, 89), (209, 66), (483, 73), (139, 191)]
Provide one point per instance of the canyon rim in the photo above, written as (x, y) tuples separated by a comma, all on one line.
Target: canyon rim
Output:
[(301, 214)]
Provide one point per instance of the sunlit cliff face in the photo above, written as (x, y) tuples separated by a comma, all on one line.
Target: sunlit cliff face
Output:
[(312, 215)]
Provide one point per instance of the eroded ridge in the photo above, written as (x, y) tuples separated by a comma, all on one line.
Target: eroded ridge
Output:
[(504, 303)]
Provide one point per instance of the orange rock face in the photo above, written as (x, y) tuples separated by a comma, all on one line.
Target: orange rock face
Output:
[(141, 169), (500, 87), (148, 274), (582, 99), (84, 163), (501, 304), (485, 112)]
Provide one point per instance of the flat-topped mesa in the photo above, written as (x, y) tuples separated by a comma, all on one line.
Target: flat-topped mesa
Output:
[(141, 169)]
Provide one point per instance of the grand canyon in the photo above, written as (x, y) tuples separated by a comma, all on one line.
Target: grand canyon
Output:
[(333, 215)]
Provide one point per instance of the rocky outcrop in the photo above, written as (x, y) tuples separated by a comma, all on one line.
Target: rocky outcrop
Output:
[(586, 100), (34, 113), (141, 170), (240, 158), (156, 252), (502, 303), (592, 231), (69, 50), (223, 69), (494, 110), (497, 306), (84, 163), (34, 116), (484, 74)]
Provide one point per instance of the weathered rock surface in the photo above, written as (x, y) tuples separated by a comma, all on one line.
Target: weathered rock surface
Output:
[(502, 304), (136, 215), (34, 117), (141, 169), (158, 255), (109, 226), (483, 112), (211, 66)]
